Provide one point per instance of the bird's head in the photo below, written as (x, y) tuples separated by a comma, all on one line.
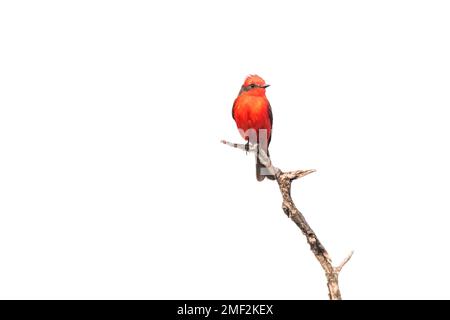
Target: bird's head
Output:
[(254, 85)]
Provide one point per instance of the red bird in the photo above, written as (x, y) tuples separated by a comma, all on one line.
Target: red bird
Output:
[(253, 116)]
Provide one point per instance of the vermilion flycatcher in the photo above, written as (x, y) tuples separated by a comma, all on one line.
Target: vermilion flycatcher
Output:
[(253, 116)]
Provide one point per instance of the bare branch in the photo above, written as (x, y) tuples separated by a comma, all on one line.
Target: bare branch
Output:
[(299, 174), (252, 147), (339, 268), (284, 180)]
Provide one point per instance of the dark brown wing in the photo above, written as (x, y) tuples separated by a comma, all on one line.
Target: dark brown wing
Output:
[(271, 124)]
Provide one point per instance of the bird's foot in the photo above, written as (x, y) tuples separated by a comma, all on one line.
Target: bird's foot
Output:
[(247, 147)]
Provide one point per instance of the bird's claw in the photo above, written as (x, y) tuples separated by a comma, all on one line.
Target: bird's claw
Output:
[(247, 147)]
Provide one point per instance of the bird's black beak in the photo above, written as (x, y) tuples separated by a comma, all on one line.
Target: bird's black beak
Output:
[(266, 86)]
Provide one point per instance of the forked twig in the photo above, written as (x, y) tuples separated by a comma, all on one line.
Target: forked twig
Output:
[(284, 180)]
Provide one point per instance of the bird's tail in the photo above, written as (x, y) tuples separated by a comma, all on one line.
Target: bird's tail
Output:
[(261, 170)]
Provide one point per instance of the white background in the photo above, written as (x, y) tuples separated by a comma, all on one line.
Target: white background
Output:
[(113, 183)]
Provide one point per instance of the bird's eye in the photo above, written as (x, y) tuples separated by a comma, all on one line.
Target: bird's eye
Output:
[(252, 85)]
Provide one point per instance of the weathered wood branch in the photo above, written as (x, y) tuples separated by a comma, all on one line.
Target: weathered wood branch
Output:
[(284, 180)]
